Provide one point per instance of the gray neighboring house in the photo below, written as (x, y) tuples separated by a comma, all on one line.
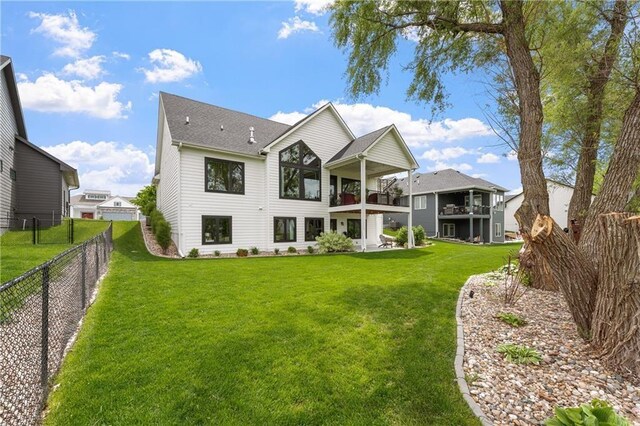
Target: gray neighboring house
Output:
[(451, 204), (33, 182)]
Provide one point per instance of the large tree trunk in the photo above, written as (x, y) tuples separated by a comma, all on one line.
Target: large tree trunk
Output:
[(597, 81), (617, 187), (567, 268), (616, 320), (527, 82)]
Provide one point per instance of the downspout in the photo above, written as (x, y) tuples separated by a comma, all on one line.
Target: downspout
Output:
[(180, 236)]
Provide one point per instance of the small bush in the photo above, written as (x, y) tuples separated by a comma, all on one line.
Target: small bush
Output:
[(292, 249), (597, 413), (402, 237), (519, 354), (276, 251), (155, 217), (163, 234), (194, 253), (310, 250), (254, 250), (419, 235), (242, 252), (511, 319), (217, 253), (332, 242)]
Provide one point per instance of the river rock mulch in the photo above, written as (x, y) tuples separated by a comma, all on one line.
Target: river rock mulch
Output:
[(569, 375)]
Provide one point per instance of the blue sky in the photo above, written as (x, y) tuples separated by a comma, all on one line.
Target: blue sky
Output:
[(89, 76)]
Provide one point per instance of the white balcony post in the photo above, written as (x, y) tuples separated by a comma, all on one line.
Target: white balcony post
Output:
[(410, 243), (363, 202)]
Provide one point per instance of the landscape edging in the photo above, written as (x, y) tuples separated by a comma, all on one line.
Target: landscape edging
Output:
[(459, 360)]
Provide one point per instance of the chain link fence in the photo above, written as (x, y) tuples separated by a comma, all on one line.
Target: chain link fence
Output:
[(39, 314)]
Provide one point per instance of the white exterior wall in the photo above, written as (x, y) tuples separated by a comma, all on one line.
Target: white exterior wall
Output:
[(8, 130), (248, 212), (388, 151), (78, 209), (324, 136), (559, 198), (167, 198)]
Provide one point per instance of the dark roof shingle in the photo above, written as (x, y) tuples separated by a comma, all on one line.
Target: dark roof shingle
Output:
[(447, 179), (205, 121)]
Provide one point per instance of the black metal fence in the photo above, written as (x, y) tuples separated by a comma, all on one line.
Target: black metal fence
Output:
[(41, 231), (39, 314)]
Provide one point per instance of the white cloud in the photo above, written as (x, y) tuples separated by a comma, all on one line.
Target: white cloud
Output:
[(515, 191), (123, 169), (417, 132), (445, 154), (50, 94), (66, 31), (170, 66), (121, 55), (488, 158), (288, 117), (480, 175), (314, 7), (295, 25), (88, 69), (22, 76), (441, 165), (512, 155)]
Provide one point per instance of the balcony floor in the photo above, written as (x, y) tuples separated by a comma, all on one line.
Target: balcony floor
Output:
[(371, 209), (464, 216)]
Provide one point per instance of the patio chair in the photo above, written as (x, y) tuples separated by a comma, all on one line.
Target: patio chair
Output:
[(385, 241)]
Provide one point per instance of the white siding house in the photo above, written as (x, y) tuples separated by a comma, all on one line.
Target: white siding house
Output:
[(228, 180), (559, 198)]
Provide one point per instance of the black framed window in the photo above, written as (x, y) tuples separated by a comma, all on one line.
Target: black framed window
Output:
[(12, 174), (333, 225), (313, 227), (284, 229), (216, 230), (300, 173), (333, 190), (354, 229), (223, 176), (350, 186)]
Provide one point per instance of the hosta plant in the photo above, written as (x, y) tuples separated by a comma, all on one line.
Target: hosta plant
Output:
[(598, 413), (519, 354)]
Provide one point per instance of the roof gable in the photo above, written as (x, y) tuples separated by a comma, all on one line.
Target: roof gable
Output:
[(6, 65)]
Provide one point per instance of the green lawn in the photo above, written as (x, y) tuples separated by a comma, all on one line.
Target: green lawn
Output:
[(338, 339), (18, 254)]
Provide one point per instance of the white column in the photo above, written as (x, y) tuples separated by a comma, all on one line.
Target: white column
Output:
[(471, 214), (363, 203), (437, 216), (491, 207), (410, 243)]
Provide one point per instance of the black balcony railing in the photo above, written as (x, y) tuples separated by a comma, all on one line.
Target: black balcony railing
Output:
[(451, 209), (373, 197)]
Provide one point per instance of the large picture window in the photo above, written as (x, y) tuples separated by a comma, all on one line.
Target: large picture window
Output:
[(299, 173), (216, 229), (223, 176), (284, 229), (354, 228), (313, 227)]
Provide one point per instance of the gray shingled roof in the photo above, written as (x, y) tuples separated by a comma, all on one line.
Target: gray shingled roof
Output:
[(510, 197), (444, 180), (4, 60), (205, 121), (358, 145)]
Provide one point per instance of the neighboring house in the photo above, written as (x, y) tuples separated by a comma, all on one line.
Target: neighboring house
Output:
[(33, 182), (228, 180), (450, 204), (559, 198), (99, 204)]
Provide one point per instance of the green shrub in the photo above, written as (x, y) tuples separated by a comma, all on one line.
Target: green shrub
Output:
[(310, 250), (419, 235), (194, 253), (519, 354), (276, 251), (163, 234), (292, 249), (598, 413), (511, 319), (242, 252), (254, 250), (217, 253), (155, 216), (402, 237), (332, 242)]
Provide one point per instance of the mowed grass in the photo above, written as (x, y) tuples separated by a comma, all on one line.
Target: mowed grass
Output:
[(18, 254), (339, 339)]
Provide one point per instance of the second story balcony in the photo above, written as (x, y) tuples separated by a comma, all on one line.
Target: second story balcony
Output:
[(456, 210)]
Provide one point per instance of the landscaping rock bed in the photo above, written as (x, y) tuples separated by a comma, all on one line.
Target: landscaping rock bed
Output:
[(570, 373)]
